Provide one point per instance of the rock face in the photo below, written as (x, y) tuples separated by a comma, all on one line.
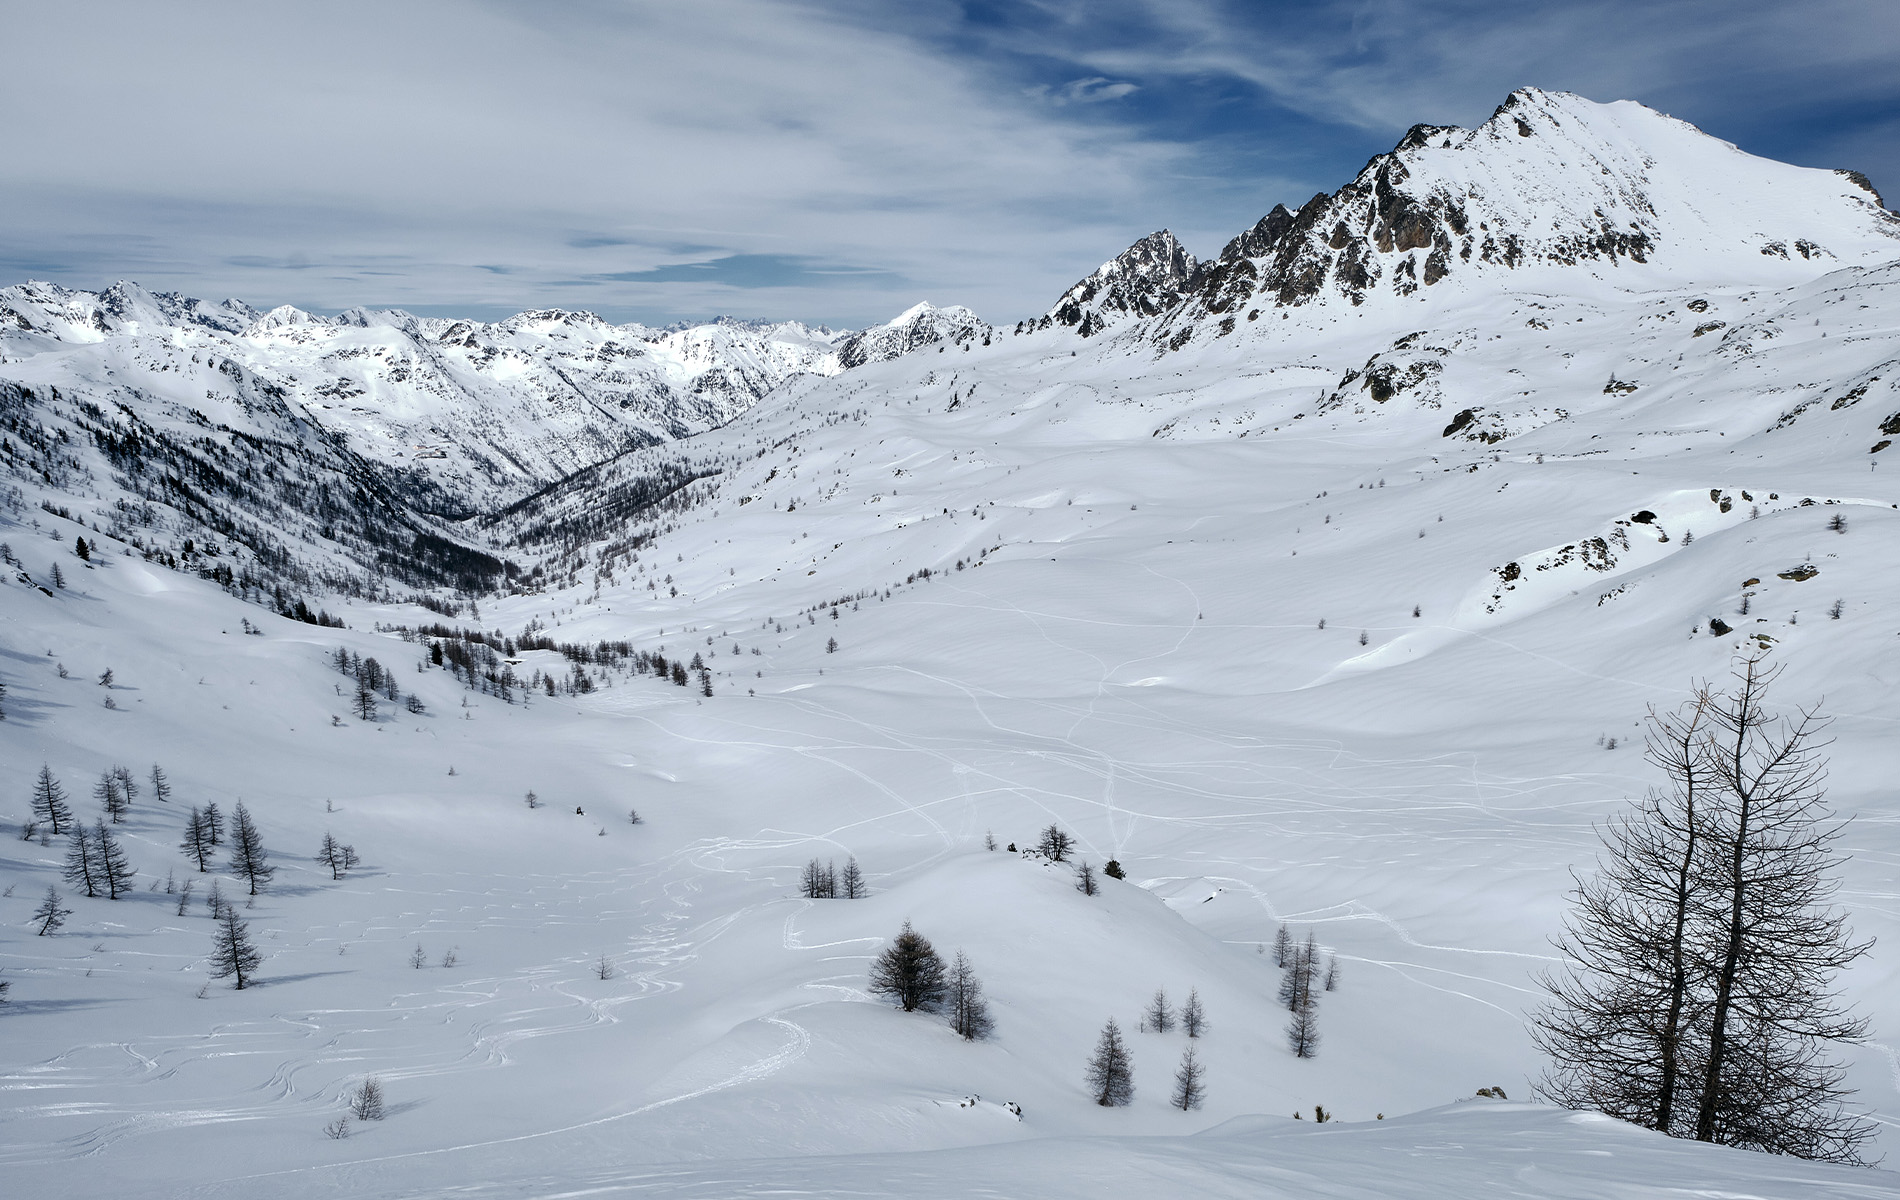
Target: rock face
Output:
[(1141, 281), (913, 329), (1552, 180)]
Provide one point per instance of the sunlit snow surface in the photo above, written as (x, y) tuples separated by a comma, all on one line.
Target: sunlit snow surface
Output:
[(1138, 657)]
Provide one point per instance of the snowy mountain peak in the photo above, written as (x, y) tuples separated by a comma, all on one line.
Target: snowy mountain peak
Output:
[(1140, 281), (922, 324), (1551, 180)]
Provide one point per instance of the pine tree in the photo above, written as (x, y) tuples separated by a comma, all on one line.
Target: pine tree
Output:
[(969, 1013), (214, 822), (197, 843), (815, 882), (909, 972), (49, 802), (363, 702), (854, 885), (1193, 1016), (1055, 844), (1189, 1082), (161, 786), (49, 914), (82, 863), (1700, 997), (1158, 1016), (1085, 879), (128, 783), (1302, 1032), (110, 796), (231, 950), (1282, 946), (248, 857), (214, 900), (115, 870), (1296, 986), (1111, 1073), (366, 1102)]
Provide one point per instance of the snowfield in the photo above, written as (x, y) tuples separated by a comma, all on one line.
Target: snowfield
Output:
[(1346, 619)]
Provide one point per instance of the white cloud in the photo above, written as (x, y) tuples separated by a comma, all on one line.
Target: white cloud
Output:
[(389, 149), (1083, 91)]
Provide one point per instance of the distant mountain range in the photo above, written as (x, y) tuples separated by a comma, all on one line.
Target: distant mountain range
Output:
[(394, 431)]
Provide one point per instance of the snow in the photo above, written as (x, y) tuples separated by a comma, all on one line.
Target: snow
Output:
[(1132, 648), (492, 410)]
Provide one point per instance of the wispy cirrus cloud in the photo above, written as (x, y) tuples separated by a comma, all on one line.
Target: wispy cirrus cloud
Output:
[(1094, 90), (761, 271)]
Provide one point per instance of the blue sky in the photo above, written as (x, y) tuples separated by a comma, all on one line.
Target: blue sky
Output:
[(831, 160)]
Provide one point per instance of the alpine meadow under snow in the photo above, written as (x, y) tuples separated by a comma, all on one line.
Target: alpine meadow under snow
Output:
[(741, 760)]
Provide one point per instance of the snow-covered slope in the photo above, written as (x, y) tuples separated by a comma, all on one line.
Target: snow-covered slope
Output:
[(1345, 621)]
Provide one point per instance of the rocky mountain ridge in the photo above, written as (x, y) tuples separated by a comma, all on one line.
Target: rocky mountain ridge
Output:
[(1552, 180)]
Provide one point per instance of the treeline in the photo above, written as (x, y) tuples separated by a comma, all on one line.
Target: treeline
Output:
[(478, 660)]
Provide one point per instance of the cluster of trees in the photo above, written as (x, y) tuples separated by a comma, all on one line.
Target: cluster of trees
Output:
[(823, 880), (365, 1103), (371, 681), (913, 976), (910, 972), (1110, 1075), (96, 861), (479, 660), (115, 791), (1162, 1017), (1699, 996), (337, 856), (1300, 982)]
